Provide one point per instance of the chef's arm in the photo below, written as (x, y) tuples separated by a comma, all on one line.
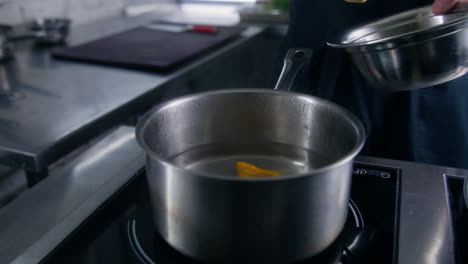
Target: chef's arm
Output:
[(442, 6)]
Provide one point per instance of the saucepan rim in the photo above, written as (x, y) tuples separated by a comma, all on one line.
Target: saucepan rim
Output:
[(360, 132)]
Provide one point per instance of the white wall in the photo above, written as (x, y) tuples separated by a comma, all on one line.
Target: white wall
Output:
[(13, 12)]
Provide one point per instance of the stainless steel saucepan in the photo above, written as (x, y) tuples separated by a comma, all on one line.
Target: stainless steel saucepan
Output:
[(204, 210)]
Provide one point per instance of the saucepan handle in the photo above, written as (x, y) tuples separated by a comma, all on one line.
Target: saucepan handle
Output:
[(294, 61)]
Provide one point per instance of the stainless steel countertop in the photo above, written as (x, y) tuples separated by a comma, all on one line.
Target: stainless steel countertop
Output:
[(34, 224), (62, 104)]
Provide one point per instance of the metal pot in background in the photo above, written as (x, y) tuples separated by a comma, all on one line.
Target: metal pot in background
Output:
[(44, 31), (5, 45), (410, 50), (50, 31), (202, 209)]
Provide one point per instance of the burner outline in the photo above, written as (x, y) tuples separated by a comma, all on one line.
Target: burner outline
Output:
[(144, 258)]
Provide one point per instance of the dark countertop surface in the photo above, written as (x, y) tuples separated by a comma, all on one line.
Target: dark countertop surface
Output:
[(59, 105)]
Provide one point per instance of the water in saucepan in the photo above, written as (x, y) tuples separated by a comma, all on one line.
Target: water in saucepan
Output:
[(221, 159)]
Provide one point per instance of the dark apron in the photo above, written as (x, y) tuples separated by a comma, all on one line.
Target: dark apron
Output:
[(429, 125)]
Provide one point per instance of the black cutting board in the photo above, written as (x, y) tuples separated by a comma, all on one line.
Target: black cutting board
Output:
[(148, 49)]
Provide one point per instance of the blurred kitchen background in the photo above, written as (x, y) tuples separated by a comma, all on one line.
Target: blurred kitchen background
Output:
[(13, 12), (31, 71)]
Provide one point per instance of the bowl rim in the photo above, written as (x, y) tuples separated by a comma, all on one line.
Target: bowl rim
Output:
[(412, 37)]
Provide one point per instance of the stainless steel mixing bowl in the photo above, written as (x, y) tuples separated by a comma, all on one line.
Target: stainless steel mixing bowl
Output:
[(410, 50)]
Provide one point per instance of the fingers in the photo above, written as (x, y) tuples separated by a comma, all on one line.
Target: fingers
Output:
[(442, 6)]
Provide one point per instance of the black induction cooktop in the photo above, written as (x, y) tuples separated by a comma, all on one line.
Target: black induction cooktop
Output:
[(121, 231)]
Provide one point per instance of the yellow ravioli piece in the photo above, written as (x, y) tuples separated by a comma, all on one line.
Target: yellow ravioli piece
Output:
[(245, 170)]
